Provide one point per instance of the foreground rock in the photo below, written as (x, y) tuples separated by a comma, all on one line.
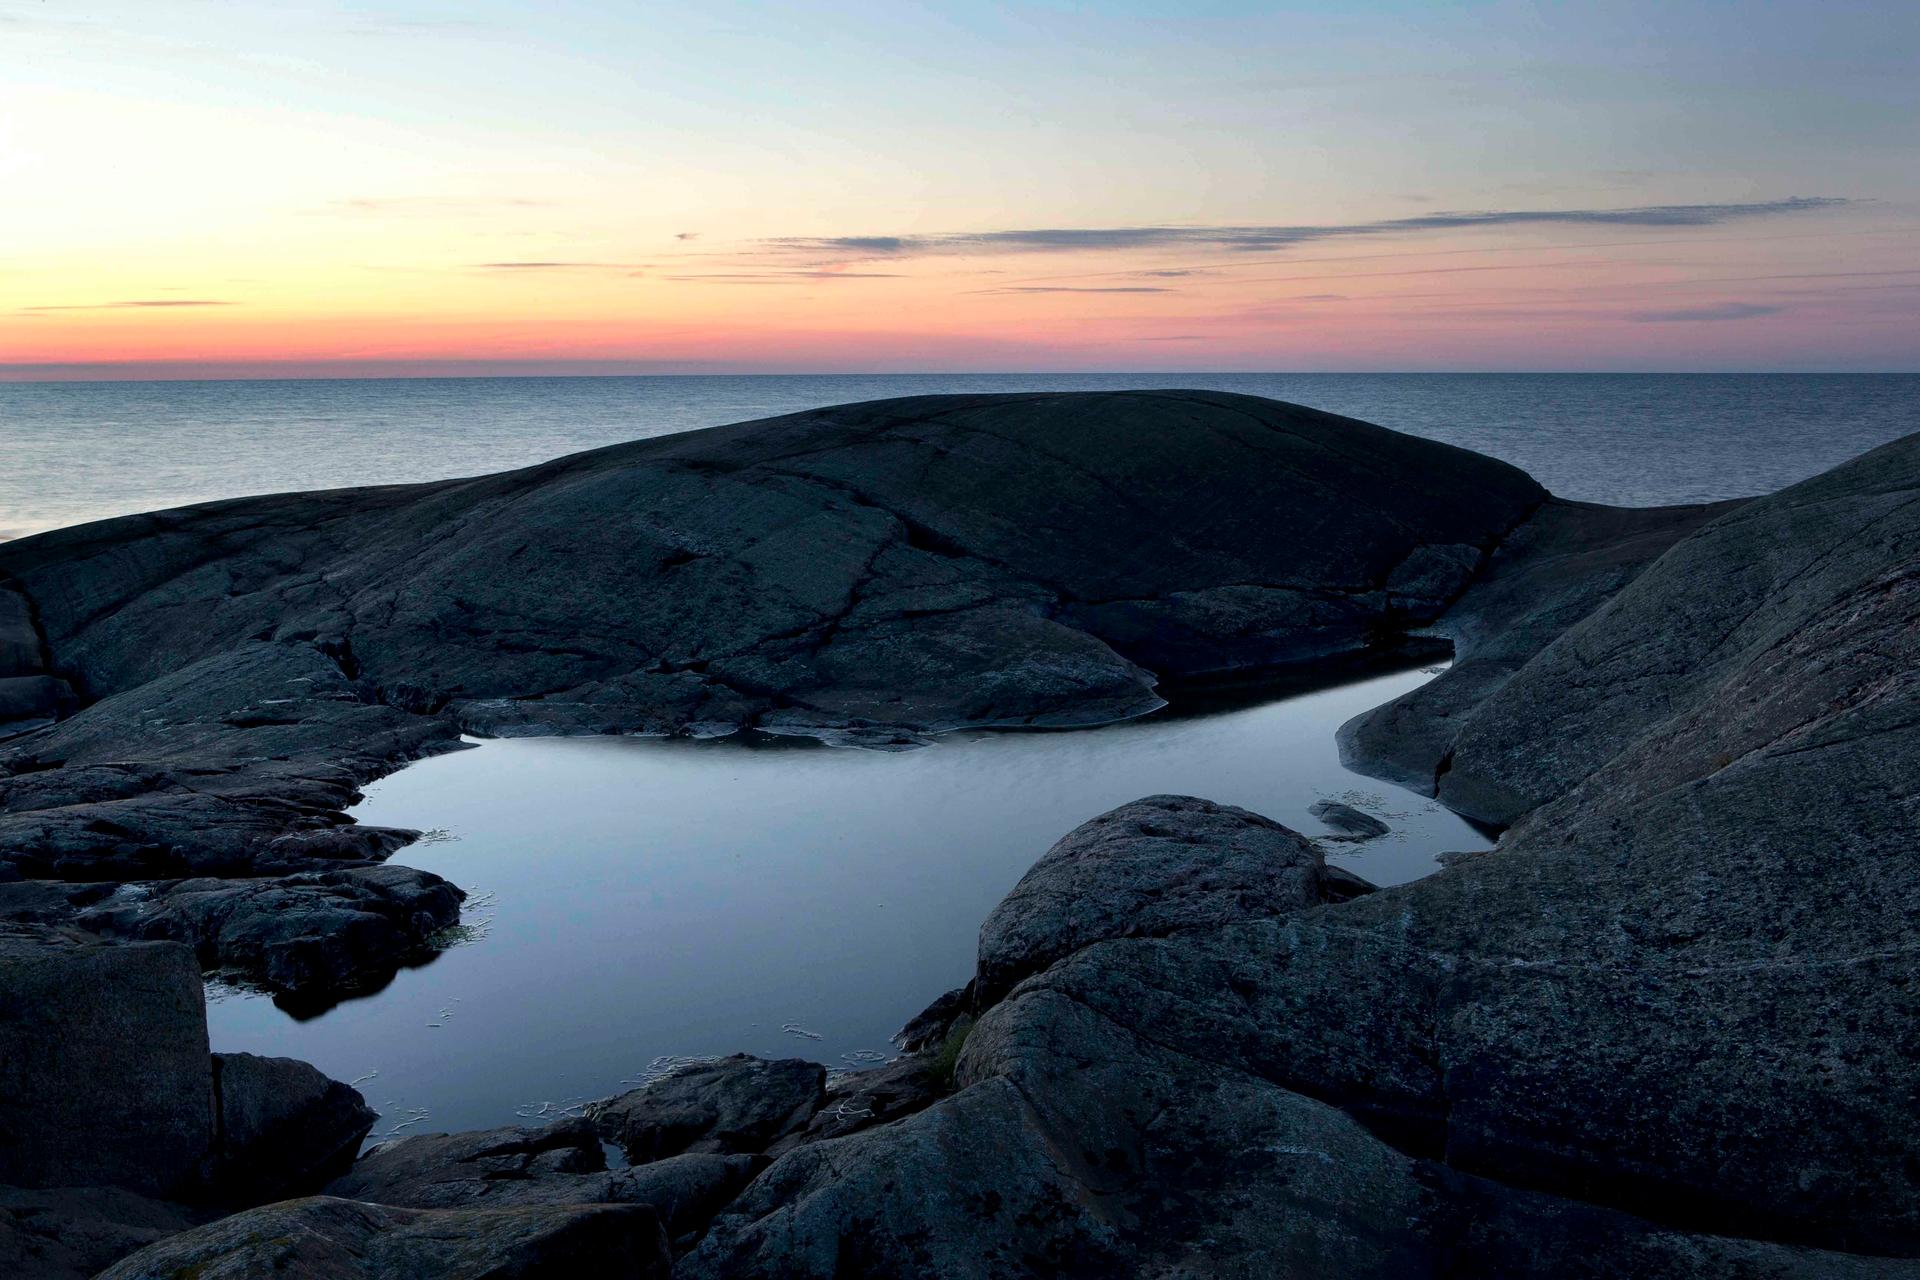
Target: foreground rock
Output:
[(730, 1106), (117, 1126), (72, 1233), (1080, 1149), (560, 1163), (329, 1239)]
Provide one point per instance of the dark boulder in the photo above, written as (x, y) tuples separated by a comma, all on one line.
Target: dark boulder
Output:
[(237, 765), (104, 1068), (777, 547), (1079, 1148), (283, 1127), (686, 1190), (328, 1239), (118, 1127), (733, 1105), (1152, 867), (1350, 822)]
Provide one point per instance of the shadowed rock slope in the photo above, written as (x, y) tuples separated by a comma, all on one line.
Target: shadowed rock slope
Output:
[(869, 573)]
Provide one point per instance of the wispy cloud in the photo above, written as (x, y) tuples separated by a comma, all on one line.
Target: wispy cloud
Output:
[(539, 265), (1071, 288), (432, 206), (783, 277), (135, 302), (1280, 236), (1718, 311)]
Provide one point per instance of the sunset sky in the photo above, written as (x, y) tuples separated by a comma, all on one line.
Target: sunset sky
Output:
[(246, 189)]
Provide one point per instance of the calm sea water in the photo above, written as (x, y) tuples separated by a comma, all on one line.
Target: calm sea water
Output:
[(82, 450), (640, 900)]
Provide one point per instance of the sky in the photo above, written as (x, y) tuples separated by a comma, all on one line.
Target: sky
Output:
[(348, 189)]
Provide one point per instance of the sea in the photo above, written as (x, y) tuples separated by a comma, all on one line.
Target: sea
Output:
[(637, 904), (77, 451)]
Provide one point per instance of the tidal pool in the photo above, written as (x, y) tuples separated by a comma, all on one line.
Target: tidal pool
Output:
[(637, 900)]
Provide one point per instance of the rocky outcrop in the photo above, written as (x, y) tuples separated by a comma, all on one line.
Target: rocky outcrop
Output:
[(550, 1164), (1666, 1028), (328, 1239), (928, 555), (869, 573), (1150, 868), (730, 1106), (310, 937), (1567, 560), (1078, 1148)]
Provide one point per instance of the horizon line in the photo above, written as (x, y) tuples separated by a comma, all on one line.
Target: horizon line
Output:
[(419, 371)]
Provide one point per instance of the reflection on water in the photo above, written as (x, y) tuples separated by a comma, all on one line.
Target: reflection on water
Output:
[(635, 899)]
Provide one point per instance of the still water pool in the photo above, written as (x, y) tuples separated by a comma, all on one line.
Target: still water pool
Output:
[(640, 899)]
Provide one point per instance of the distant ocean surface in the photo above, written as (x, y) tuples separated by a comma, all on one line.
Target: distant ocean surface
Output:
[(77, 451)]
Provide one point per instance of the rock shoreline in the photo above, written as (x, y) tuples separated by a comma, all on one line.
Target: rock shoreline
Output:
[(1667, 1027)]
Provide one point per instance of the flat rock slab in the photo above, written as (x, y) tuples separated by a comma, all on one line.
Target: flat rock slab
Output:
[(488, 1167), (329, 1239), (561, 1163), (730, 1106)]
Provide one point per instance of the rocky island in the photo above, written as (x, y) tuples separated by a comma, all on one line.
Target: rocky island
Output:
[(1668, 1026)]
